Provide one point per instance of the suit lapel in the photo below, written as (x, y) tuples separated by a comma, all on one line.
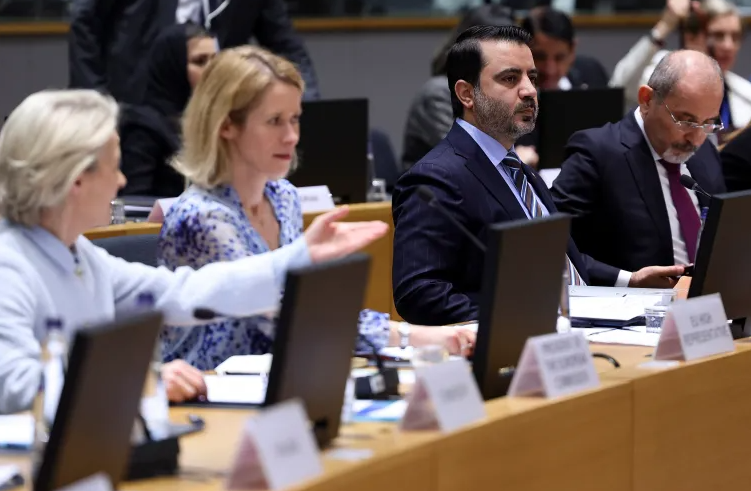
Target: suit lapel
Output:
[(644, 170), (479, 164)]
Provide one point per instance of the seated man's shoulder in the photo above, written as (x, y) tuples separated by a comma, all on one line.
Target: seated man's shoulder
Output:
[(440, 160)]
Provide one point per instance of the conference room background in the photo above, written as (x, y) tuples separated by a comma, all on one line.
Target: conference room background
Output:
[(386, 66)]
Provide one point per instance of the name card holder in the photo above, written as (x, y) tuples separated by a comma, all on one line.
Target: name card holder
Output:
[(277, 450), (554, 365), (314, 199), (445, 396), (695, 328)]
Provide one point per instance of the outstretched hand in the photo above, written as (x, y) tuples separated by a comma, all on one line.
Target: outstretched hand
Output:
[(329, 239)]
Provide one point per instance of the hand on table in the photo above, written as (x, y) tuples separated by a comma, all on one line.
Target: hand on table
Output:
[(182, 381), (656, 277), (456, 340)]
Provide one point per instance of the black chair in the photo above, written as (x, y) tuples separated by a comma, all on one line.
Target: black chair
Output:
[(384, 158), (132, 248)]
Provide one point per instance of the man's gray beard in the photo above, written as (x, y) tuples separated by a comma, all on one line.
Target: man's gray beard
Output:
[(496, 119)]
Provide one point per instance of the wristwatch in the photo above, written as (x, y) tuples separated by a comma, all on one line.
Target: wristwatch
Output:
[(404, 331)]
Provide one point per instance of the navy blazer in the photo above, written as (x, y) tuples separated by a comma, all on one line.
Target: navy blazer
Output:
[(609, 182), (437, 271)]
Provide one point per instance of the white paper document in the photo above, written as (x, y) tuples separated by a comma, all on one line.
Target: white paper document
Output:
[(236, 389), (16, 431), (633, 336), (245, 364)]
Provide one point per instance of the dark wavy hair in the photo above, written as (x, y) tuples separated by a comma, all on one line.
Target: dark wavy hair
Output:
[(487, 15)]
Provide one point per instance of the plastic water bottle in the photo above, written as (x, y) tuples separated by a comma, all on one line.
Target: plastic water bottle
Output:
[(54, 361), (564, 313)]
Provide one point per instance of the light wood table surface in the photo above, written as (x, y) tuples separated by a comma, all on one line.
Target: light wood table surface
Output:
[(690, 423)]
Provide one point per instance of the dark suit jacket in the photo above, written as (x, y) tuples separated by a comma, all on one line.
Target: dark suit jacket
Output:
[(437, 271), (609, 182), (109, 39), (587, 73)]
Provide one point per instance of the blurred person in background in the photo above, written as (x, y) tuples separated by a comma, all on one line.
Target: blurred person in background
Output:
[(430, 115), (712, 27), (109, 40), (554, 50), (150, 131)]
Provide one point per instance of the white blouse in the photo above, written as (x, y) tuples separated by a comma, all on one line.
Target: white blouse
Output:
[(40, 280)]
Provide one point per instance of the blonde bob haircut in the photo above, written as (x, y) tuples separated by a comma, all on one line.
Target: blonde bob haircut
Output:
[(231, 86), (48, 141)]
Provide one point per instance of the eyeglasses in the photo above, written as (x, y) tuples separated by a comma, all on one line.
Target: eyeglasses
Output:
[(707, 128)]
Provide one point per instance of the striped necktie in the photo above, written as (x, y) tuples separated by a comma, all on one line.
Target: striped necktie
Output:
[(513, 166)]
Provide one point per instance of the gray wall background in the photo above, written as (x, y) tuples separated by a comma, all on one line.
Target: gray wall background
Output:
[(387, 67)]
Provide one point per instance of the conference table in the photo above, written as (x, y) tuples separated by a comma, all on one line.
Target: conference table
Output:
[(680, 428)]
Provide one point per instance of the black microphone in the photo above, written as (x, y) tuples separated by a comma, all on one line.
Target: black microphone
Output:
[(690, 183), (381, 385), (429, 197)]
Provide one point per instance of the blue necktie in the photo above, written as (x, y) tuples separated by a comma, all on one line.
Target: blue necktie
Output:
[(513, 165)]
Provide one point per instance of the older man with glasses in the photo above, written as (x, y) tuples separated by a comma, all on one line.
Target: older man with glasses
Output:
[(622, 181)]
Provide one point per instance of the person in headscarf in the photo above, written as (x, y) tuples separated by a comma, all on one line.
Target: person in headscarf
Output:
[(150, 131)]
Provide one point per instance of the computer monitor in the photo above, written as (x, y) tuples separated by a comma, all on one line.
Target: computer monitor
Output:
[(520, 296), (564, 112), (333, 148), (315, 337), (99, 402), (723, 261)]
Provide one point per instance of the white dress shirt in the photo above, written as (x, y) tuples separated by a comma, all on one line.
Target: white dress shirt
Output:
[(680, 255), (39, 280), (189, 10), (496, 153)]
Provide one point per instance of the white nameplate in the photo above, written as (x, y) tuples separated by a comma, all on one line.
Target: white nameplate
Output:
[(314, 199), (554, 365), (694, 328), (97, 482), (277, 450), (445, 396)]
